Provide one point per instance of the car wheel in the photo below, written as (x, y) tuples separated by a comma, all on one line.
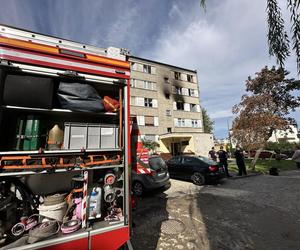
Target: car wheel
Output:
[(138, 188), (198, 179)]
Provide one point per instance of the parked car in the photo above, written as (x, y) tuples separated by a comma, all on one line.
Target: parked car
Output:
[(198, 169), (266, 154), (158, 176)]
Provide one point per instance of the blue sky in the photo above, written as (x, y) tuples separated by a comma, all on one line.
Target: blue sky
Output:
[(225, 44)]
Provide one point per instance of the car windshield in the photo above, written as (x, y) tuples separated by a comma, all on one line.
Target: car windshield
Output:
[(157, 163), (207, 160)]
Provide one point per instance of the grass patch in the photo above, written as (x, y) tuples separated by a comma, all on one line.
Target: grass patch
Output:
[(263, 166)]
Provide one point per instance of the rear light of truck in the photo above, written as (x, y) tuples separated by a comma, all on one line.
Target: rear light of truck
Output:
[(213, 168)]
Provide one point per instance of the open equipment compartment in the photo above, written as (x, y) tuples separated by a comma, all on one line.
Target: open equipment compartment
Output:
[(64, 168)]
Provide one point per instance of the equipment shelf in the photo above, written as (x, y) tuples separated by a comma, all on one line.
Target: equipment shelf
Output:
[(57, 110), (61, 170)]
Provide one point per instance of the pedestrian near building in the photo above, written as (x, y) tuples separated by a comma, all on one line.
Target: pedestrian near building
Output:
[(213, 154), (296, 157), (223, 156), (240, 162)]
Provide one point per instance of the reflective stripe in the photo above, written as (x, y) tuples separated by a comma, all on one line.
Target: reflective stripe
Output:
[(72, 63)]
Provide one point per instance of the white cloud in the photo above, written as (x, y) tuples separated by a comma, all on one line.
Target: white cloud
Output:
[(225, 45), (221, 114)]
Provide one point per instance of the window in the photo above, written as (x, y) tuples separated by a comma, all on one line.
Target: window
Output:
[(149, 120), (184, 91), (167, 96), (175, 160), (168, 112), (196, 123), (179, 105), (177, 90), (149, 85), (132, 83), (140, 120), (189, 78), (181, 122), (190, 160), (139, 101), (169, 130), (148, 102), (177, 75), (193, 107), (149, 137), (147, 69), (193, 92), (133, 66), (187, 107)]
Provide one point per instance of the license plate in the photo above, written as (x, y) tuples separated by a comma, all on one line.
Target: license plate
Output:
[(160, 174)]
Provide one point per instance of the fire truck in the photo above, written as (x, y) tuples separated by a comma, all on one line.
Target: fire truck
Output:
[(64, 143)]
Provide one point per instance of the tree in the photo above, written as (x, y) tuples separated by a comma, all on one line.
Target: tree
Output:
[(208, 124), (264, 109), (278, 39), (151, 145)]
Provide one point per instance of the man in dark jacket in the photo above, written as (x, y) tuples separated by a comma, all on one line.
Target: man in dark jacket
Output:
[(240, 162), (223, 156), (212, 153)]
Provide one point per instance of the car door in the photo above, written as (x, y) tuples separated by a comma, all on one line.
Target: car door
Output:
[(189, 164), (173, 166)]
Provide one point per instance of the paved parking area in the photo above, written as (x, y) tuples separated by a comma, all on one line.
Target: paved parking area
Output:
[(259, 212)]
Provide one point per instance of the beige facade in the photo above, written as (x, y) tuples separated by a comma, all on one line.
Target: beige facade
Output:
[(165, 102)]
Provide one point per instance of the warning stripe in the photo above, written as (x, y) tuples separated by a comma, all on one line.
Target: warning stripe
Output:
[(142, 170), (84, 199)]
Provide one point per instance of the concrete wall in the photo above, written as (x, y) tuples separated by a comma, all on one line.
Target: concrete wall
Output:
[(203, 143)]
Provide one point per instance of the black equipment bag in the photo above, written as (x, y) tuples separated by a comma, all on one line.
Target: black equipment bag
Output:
[(79, 97), (28, 91)]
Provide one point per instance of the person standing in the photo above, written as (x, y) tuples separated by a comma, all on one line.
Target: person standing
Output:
[(296, 157), (212, 153), (223, 156), (240, 162)]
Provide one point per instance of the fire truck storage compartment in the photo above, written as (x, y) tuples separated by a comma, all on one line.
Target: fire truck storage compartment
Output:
[(97, 203), (28, 91), (79, 97), (30, 110), (90, 136), (30, 199)]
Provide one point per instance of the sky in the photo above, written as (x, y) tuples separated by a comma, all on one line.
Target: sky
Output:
[(225, 44)]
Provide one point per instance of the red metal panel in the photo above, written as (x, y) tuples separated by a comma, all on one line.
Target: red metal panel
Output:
[(81, 244), (111, 240)]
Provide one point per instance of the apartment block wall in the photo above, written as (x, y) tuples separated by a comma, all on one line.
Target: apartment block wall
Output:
[(170, 119)]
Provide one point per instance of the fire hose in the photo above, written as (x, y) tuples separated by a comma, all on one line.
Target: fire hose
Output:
[(43, 230), (70, 226), (25, 225)]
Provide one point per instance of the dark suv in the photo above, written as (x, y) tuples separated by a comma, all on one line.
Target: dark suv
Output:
[(156, 177)]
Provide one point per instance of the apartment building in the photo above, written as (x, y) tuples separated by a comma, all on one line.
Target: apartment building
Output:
[(165, 102)]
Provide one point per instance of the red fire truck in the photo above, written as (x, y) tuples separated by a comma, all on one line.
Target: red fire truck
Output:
[(64, 143)]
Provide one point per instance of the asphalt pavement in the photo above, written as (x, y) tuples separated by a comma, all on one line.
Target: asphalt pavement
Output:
[(260, 212)]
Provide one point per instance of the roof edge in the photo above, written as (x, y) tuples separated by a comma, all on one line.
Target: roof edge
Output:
[(165, 64)]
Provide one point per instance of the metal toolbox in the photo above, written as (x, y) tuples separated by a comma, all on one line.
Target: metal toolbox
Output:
[(90, 136)]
